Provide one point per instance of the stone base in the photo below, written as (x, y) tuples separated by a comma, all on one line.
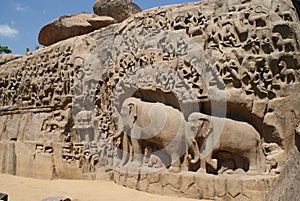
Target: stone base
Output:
[(198, 185)]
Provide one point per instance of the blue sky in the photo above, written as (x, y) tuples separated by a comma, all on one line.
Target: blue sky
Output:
[(21, 21)]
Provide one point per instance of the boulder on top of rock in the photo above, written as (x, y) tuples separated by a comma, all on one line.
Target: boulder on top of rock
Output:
[(101, 21), (68, 26), (118, 9)]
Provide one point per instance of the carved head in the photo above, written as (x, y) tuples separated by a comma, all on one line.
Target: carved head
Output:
[(128, 114), (199, 124), (276, 36)]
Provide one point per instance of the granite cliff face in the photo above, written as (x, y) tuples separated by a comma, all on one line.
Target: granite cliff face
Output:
[(220, 69)]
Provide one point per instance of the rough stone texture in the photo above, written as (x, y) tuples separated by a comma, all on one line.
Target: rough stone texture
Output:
[(32, 137), (63, 108), (118, 9), (297, 6), (287, 185), (8, 57), (228, 187), (72, 25), (101, 21)]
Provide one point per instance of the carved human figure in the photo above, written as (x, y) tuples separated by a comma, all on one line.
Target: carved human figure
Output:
[(266, 44), (193, 28), (178, 23), (229, 72), (214, 38), (253, 44), (267, 77), (84, 124), (90, 157), (228, 38), (274, 155), (251, 78)]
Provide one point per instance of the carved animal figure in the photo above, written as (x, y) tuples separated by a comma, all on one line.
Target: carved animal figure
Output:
[(47, 100), (234, 137), (155, 161), (285, 15), (287, 44), (152, 124), (259, 16), (287, 75)]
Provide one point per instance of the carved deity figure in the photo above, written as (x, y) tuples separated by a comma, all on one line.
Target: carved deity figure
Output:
[(251, 78), (267, 77)]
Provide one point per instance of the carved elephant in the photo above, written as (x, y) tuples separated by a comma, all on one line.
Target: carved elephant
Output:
[(234, 138), (152, 124)]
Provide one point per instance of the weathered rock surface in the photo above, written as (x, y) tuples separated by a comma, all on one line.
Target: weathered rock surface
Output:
[(101, 21), (72, 25), (9, 57), (287, 186), (118, 9), (62, 107), (297, 6)]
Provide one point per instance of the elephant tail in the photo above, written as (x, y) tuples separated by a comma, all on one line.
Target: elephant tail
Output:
[(260, 159)]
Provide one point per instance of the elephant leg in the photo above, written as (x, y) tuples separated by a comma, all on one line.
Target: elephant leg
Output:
[(252, 157), (202, 168), (203, 162), (137, 152), (175, 163)]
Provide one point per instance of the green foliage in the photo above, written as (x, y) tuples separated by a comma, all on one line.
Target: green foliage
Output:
[(4, 49)]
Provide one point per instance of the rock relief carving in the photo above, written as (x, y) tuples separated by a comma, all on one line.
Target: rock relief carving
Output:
[(38, 83), (246, 31), (245, 36), (228, 154)]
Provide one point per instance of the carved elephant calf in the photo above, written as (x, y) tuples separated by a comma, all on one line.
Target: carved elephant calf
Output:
[(234, 138)]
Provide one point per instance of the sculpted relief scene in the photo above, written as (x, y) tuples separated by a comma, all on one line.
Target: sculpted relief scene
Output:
[(197, 100)]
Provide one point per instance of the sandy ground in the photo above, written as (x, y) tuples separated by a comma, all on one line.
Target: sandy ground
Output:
[(27, 189)]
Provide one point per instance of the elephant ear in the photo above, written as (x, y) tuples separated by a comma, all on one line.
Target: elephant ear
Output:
[(132, 111), (215, 129)]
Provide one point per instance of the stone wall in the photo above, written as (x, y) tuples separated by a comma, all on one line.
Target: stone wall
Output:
[(36, 109), (63, 108), (198, 186), (285, 187)]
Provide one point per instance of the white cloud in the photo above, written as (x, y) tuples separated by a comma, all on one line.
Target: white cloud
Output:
[(7, 31), (19, 7)]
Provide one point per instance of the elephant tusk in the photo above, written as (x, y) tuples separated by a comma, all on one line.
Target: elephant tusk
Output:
[(196, 151)]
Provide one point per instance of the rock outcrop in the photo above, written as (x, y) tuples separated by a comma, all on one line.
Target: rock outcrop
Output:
[(118, 9), (143, 100), (8, 57), (287, 186), (72, 25)]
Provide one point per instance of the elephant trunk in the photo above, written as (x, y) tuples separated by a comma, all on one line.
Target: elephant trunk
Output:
[(196, 152)]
